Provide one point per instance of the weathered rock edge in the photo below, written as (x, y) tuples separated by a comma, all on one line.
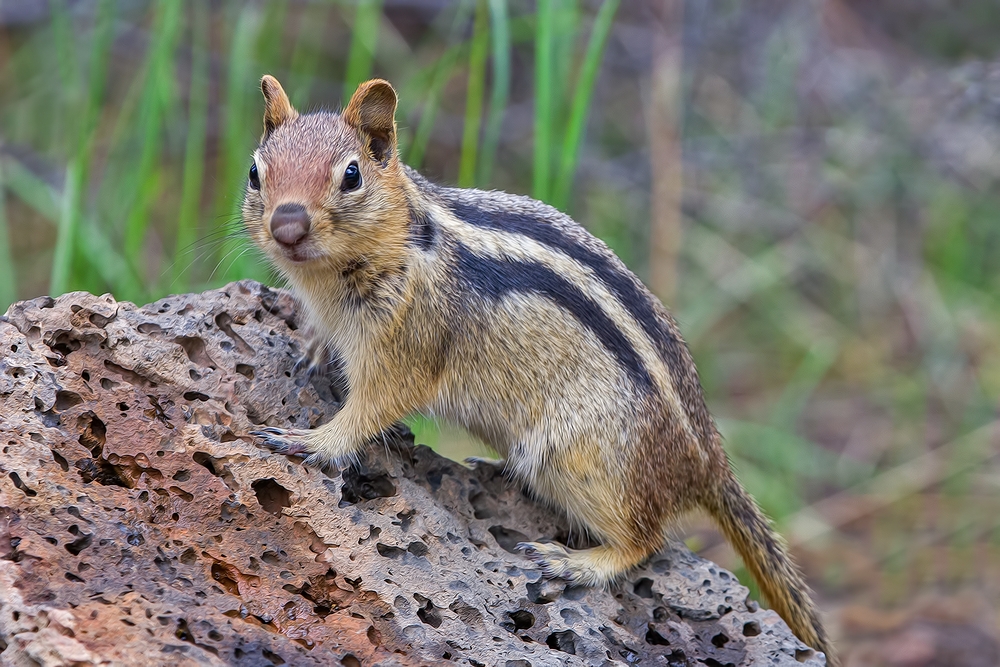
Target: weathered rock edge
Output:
[(140, 524)]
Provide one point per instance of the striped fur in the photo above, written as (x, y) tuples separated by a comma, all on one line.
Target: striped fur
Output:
[(504, 316)]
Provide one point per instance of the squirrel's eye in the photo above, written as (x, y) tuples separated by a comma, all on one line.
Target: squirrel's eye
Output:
[(352, 177), (254, 178)]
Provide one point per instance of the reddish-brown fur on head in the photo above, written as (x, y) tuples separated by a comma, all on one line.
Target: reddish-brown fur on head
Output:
[(301, 164)]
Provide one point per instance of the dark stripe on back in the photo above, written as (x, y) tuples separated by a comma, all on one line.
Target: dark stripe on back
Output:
[(422, 230), (618, 280), (495, 278)]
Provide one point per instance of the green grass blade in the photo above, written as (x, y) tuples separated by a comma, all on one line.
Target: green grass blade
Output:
[(159, 88), (500, 90), (367, 18), (194, 150), (8, 277), (306, 56), (478, 50), (242, 128), (442, 74), (103, 257), (544, 37), (581, 102), (62, 256), (64, 42), (61, 277)]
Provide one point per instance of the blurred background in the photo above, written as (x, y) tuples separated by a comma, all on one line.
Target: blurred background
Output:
[(810, 185)]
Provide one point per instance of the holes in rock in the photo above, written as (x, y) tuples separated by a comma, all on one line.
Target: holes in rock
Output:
[(98, 320), (93, 432), (720, 640), (482, 505), (418, 548), (195, 349), (67, 399), (388, 551), (350, 661), (374, 636), (655, 638), (364, 484), (211, 464), (712, 662), (405, 519), (222, 577), (564, 641), (801, 655), (182, 475), (108, 384), (150, 329), (195, 396), (517, 663), (271, 495), (80, 543), (751, 629), (181, 493), (79, 580), (427, 612), (103, 473), (522, 619), (65, 344), (129, 376), (644, 588), (245, 370), (49, 417), (225, 322), (507, 538), (16, 479), (61, 460), (570, 615)]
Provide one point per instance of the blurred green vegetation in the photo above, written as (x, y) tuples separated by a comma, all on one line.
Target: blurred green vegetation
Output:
[(837, 278)]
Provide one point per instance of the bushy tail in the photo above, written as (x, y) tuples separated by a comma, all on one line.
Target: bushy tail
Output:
[(764, 554)]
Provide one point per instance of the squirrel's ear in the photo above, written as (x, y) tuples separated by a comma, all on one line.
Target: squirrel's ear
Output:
[(372, 111), (277, 109)]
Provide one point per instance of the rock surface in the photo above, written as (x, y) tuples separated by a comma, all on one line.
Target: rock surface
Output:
[(140, 524)]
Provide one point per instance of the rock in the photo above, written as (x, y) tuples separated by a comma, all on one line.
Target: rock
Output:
[(141, 524)]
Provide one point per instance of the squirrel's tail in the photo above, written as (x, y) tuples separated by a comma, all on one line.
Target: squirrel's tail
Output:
[(765, 556)]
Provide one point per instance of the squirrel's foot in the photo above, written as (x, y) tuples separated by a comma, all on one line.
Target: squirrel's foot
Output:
[(597, 566), (287, 441), (554, 559), (475, 461), (305, 443)]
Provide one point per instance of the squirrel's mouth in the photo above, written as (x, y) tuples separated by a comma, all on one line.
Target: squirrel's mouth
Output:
[(298, 253)]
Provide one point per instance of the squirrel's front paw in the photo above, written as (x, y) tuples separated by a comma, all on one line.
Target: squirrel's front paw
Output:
[(287, 441)]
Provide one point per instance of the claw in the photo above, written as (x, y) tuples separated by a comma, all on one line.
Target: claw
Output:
[(527, 548), (287, 442), (300, 363)]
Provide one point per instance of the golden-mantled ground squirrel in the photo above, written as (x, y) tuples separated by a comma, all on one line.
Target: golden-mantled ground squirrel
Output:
[(503, 315)]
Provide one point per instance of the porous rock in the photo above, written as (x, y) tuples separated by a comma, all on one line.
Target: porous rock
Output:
[(140, 523)]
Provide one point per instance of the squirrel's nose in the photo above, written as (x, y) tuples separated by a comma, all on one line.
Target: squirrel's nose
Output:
[(289, 224)]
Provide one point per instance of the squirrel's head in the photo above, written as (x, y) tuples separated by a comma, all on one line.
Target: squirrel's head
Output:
[(327, 189)]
